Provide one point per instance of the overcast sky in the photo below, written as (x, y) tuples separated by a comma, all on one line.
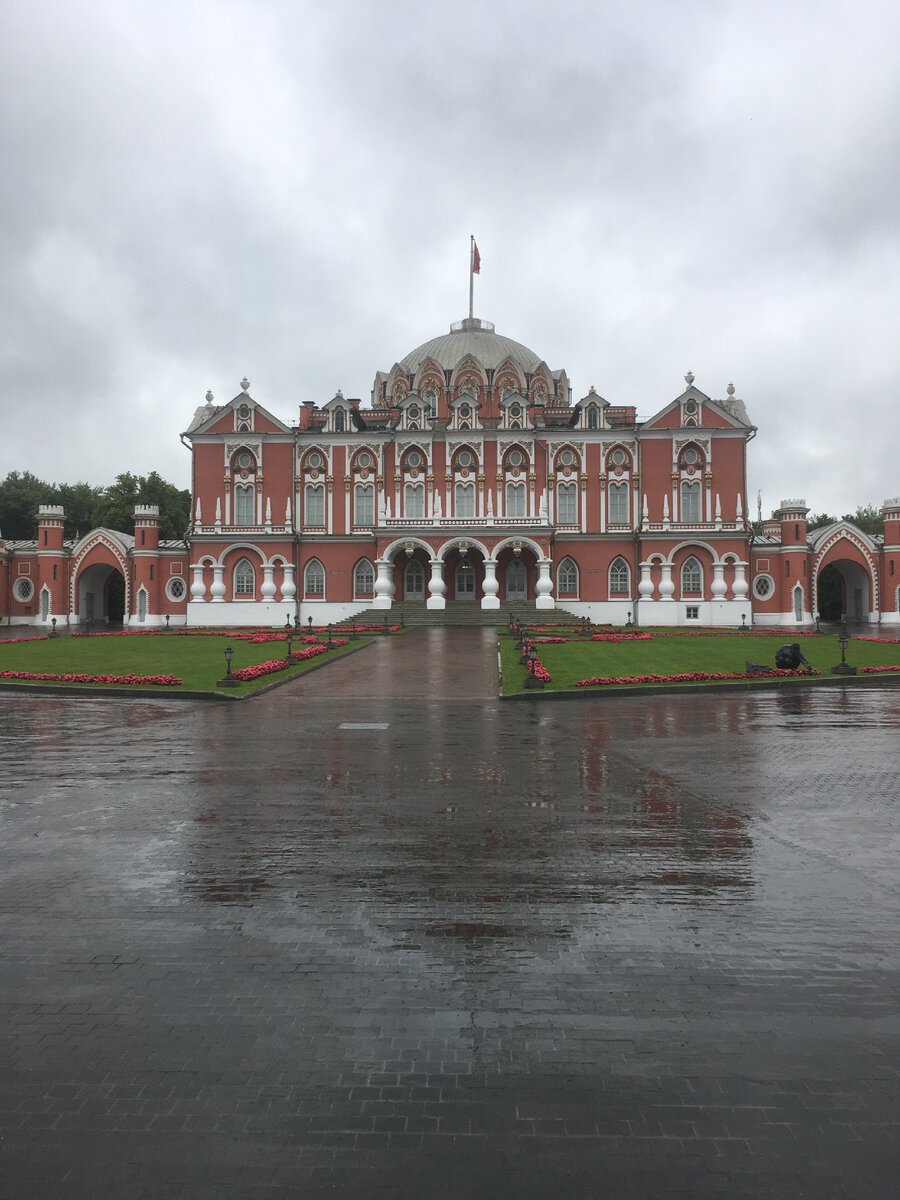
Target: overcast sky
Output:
[(197, 190)]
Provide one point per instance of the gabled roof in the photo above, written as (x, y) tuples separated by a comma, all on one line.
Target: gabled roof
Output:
[(731, 411), (209, 417)]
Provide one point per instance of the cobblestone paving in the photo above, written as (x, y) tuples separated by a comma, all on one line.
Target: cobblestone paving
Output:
[(644, 948)]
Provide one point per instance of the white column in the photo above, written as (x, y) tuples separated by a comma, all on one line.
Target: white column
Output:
[(491, 587), (645, 587), (217, 591), (739, 587), (288, 587), (267, 591), (719, 587), (384, 583), (198, 587), (666, 586), (544, 587), (436, 585)]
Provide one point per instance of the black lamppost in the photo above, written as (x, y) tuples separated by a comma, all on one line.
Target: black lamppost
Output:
[(532, 680), (818, 615), (329, 643), (53, 632), (290, 638), (843, 667), (229, 680), (167, 622), (527, 647), (744, 622)]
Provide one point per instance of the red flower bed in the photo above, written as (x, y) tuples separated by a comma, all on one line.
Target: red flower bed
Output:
[(877, 670), (244, 674), (622, 637), (9, 641), (688, 677), (883, 641), (119, 680)]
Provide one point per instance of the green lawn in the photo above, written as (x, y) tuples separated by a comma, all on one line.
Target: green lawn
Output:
[(198, 659), (673, 655)]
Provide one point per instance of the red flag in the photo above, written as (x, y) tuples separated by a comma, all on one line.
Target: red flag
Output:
[(476, 259)]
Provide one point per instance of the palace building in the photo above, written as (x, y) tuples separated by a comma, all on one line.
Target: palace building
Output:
[(473, 478)]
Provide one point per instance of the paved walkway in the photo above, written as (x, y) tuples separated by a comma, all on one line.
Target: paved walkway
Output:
[(328, 944), (426, 663)]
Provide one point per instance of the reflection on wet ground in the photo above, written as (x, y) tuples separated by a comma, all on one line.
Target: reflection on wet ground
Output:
[(474, 947)]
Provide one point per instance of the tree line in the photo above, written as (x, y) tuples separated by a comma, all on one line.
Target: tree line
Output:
[(867, 518), (88, 507)]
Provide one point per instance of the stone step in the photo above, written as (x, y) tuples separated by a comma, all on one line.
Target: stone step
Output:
[(414, 613)]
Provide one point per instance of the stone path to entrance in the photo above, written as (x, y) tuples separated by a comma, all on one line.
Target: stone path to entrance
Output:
[(330, 945), (421, 664)]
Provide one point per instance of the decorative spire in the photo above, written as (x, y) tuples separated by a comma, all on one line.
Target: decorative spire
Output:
[(209, 397), (689, 378), (730, 389), (245, 384)]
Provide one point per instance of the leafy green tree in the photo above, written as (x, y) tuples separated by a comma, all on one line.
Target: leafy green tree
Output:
[(818, 520), (20, 497), (115, 509), (867, 518), (80, 502)]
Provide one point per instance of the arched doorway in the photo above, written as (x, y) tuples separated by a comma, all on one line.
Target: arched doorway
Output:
[(843, 586), (830, 594), (101, 594), (464, 581), (516, 580), (414, 580)]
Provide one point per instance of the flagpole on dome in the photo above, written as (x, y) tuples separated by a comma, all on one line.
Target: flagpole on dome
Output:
[(474, 269)]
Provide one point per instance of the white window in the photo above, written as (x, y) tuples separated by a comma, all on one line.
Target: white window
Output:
[(691, 577), (515, 500), (364, 504), (592, 422), (464, 501), (314, 579), (619, 578), (244, 579), (763, 586), (692, 612), (23, 590), (176, 588), (363, 578), (339, 420), (690, 502), (567, 504), (315, 504), (618, 504), (244, 506), (567, 578), (414, 501)]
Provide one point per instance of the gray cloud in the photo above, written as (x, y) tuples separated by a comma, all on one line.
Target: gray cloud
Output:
[(200, 190)]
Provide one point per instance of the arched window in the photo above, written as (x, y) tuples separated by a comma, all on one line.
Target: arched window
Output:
[(315, 504), (592, 421), (567, 504), (363, 578), (244, 506), (314, 579), (691, 577), (464, 501), (244, 579), (339, 420), (567, 578), (690, 501), (618, 504), (516, 505), (414, 501), (364, 504), (619, 578)]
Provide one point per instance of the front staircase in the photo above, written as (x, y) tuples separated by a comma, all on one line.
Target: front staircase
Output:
[(414, 613)]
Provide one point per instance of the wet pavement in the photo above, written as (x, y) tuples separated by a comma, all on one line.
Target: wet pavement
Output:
[(339, 942)]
